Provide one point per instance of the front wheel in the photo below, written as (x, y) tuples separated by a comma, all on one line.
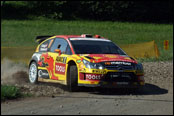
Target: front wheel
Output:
[(72, 78), (33, 76)]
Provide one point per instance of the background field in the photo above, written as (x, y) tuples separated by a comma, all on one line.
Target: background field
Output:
[(22, 33)]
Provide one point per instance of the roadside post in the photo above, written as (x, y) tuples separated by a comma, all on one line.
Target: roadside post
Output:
[(166, 44)]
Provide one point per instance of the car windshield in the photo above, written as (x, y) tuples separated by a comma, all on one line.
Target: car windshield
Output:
[(95, 47)]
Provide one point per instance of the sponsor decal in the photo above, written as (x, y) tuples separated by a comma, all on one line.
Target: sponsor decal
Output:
[(99, 71), (84, 55), (48, 63), (64, 60), (97, 58), (78, 61), (42, 62), (61, 59), (107, 63), (81, 66), (93, 76), (111, 56), (60, 68), (124, 63), (43, 73), (82, 69), (43, 47)]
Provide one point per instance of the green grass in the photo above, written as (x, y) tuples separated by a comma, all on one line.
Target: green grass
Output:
[(9, 92), (12, 92), (23, 33)]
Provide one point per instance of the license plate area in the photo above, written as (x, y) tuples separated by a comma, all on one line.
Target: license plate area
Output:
[(123, 75), (122, 83), (120, 77)]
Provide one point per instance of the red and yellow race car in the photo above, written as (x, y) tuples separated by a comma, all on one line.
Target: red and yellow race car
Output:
[(84, 60)]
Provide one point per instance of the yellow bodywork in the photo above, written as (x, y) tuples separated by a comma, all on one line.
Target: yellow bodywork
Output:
[(81, 68), (62, 78)]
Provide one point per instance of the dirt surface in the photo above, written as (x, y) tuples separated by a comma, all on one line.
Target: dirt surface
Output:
[(155, 99)]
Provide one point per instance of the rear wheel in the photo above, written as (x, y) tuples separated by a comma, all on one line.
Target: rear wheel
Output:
[(72, 78), (33, 76)]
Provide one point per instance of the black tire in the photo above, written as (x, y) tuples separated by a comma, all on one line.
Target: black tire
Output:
[(33, 73), (72, 78)]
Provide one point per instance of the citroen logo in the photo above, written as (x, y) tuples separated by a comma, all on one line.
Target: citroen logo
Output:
[(120, 68)]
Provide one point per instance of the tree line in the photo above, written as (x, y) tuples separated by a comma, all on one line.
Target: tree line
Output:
[(143, 11)]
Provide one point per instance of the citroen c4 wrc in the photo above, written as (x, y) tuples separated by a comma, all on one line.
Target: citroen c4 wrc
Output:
[(84, 60)]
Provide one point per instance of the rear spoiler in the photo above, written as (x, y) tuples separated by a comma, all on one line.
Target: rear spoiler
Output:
[(39, 39)]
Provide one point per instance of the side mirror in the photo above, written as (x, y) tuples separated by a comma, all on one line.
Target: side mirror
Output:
[(58, 51)]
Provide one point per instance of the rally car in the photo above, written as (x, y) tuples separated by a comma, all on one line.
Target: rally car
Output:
[(84, 60)]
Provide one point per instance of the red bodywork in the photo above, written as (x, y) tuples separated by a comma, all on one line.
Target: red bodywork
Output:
[(46, 59), (109, 57)]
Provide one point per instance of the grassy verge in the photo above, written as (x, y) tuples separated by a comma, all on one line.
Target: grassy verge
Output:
[(11, 92), (17, 33)]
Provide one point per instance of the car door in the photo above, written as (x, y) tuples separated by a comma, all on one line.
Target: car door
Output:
[(44, 64), (59, 63)]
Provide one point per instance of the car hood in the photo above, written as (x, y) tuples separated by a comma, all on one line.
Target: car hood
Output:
[(107, 57)]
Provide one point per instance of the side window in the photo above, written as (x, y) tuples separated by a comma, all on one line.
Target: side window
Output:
[(59, 43), (44, 46), (68, 50)]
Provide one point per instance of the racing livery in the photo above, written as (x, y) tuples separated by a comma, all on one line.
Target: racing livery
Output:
[(84, 60)]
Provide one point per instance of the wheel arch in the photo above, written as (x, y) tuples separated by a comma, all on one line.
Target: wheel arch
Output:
[(71, 62), (32, 60), (35, 58)]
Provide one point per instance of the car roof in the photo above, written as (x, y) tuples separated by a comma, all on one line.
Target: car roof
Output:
[(67, 36), (41, 39), (80, 36)]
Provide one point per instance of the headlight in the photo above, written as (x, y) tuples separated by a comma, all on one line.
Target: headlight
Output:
[(93, 65), (139, 66)]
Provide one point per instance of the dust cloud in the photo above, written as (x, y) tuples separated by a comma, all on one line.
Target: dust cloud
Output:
[(16, 74), (13, 73)]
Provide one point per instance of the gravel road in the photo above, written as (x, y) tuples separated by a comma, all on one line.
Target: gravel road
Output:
[(155, 99)]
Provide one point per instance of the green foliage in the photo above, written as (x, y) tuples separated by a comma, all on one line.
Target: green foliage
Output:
[(142, 11), (23, 33), (9, 92)]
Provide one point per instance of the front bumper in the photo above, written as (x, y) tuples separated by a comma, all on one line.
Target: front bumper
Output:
[(112, 79), (115, 84)]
